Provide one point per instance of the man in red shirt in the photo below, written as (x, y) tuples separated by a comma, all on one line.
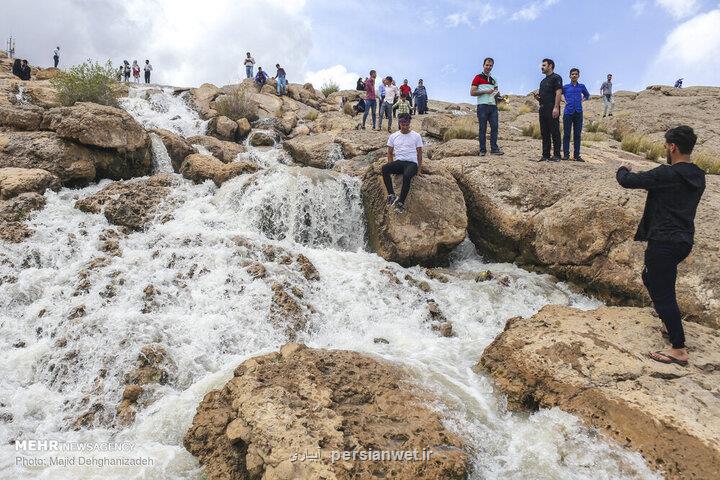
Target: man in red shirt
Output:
[(406, 90), (485, 88)]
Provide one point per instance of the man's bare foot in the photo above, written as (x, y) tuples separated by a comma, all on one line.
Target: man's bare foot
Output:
[(671, 355)]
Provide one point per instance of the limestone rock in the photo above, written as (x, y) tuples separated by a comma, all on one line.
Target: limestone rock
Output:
[(97, 125), (200, 99), (437, 125), (360, 142), (47, 73), (334, 121), (226, 128), (454, 148), (288, 121), (311, 150), (20, 117), (580, 227), (280, 405), (261, 139), (13, 213), (224, 151), (594, 364), (14, 181), (244, 128), (178, 148), (434, 221), (199, 168)]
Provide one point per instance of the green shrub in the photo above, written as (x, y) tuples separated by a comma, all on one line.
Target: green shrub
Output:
[(237, 105), (707, 161), (460, 131), (532, 130), (329, 87), (87, 82), (311, 116)]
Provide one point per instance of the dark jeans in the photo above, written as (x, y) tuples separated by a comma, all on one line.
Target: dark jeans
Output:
[(56, 59), (147, 77), (369, 105), (659, 275), (406, 169), (421, 104), (550, 131), (574, 121), (485, 114)]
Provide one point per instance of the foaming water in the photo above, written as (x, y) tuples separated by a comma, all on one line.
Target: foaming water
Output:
[(82, 323), (159, 107), (161, 162)]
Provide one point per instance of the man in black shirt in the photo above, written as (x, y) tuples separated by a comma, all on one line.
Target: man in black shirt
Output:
[(668, 225), (549, 97)]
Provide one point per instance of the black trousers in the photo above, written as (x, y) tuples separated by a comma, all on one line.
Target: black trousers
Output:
[(550, 131), (659, 276), (406, 169), (147, 77), (56, 59)]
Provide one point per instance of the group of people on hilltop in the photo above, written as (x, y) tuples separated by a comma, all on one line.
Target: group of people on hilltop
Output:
[(392, 101), (125, 70), (261, 77)]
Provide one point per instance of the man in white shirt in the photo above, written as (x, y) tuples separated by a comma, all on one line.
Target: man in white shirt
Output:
[(249, 63), (391, 94), (406, 146)]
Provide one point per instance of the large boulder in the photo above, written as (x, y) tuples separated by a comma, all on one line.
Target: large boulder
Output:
[(335, 121), (224, 151), (259, 138), (225, 128), (578, 224), (312, 150), (454, 148), (97, 126), (359, 142), (593, 364), (14, 181), (436, 125), (335, 404), (178, 148), (41, 94), (288, 122), (433, 224), (199, 168), (200, 99), (47, 73), (20, 117), (132, 204), (72, 163)]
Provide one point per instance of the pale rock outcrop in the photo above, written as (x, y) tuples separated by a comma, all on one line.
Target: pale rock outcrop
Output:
[(434, 221), (359, 142), (288, 122), (20, 117), (200, 99), (14, 181), (224, 151), (454, 148), (244, 128), (281, 405), (593, 364), (437, 125), (225, 128), (47, 73), (311, 150), (199, 168), (178, 147), (334, 121), (261, 139)]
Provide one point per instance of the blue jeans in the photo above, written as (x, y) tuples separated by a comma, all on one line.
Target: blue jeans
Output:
[(369, 105), (574, 120), (387, 109), (281, 85), (485, 114), (249, 71)]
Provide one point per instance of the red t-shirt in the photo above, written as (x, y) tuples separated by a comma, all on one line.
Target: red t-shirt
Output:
[(481, 80), (405, 89)]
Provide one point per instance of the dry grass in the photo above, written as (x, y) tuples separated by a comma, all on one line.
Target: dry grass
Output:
[(593, 137), (532, 130), (237, 105), (707, 161), (526, 109), (460, 131), (594, 127), (503, 106), (311, 116), (639, 144), (348, 109)]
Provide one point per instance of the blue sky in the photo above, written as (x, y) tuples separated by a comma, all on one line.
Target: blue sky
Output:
[(641, 42)]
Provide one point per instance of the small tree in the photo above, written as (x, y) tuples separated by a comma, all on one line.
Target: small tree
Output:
[(329, 87), (88, 82)]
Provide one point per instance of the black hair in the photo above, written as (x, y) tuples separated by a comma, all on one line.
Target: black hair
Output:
[(489, 58), (389, 78), (404, 117), (574, 69), (550, 62), (683, 137), (373, 71)]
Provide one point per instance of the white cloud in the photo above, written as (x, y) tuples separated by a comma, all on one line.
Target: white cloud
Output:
[(595, 38), (639, 7), (455, 19), (475, 13), (533, 10), (691, 51), (338, 74), (679, 9)]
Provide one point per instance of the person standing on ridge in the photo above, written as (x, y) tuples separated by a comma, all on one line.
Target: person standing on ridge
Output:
[(575, 93), (548, 95), (249, 63), (485, 88), (148, 70), (281, 80), (668, 226), (406, 90), (370, 98), (607, 94), (126, 70), (391, 93), (56, 56), (136, 71), (421, 98), (406, 146)]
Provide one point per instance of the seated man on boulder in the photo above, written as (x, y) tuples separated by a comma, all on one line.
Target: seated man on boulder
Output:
[(406, 146), (668, 225)]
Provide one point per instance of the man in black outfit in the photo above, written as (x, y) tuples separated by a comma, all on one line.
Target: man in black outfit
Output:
[(668, 225), (549, 95)]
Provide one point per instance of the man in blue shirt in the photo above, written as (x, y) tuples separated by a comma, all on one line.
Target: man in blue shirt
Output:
[(574, 94)]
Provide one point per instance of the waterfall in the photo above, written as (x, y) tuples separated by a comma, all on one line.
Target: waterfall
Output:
[(161, 162), (73, 318)]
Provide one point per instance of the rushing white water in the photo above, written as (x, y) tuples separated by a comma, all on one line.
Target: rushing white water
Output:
[(20, 95), (156, 107), (210, 314), (161, 162)]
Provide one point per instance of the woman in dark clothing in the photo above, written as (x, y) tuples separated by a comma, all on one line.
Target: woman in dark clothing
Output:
[(420, 96), (24, 70), (360, 85), (17, 68)]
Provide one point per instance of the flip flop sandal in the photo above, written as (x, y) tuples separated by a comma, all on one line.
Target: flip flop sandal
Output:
[(670, 359)]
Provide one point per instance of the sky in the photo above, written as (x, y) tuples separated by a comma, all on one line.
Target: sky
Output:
[(642, 42)]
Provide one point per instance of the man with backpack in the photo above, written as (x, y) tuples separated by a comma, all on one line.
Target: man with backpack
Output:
[(485, 88)]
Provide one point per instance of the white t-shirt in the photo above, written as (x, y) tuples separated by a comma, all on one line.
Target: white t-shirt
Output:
[(249, 62), (405, 145), (391, 92)]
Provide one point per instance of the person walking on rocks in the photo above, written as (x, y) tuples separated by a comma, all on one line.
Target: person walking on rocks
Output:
[(56, 56), (261, 78), (668, 226), (391, 93), (485, 88), (136, 71), (421, 98), (370, 98), (405, 146), (281, 78), (607, 95), (249, 64), (575, 93), (148, 71), (548, 95)]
